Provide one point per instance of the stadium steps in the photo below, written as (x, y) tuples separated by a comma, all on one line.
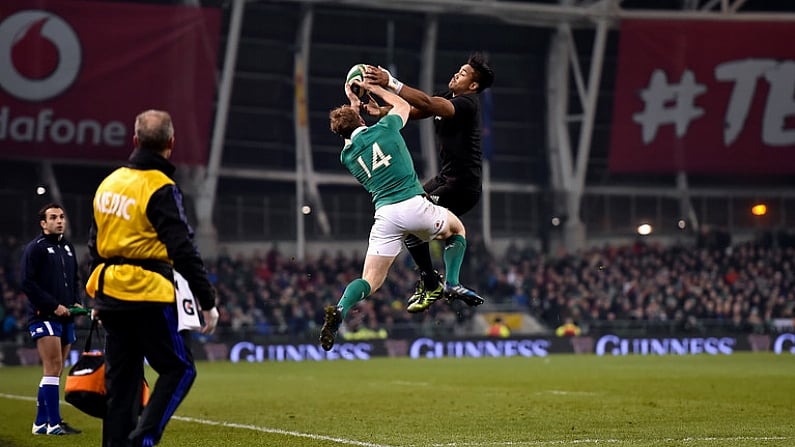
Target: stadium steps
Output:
[(521, 323)]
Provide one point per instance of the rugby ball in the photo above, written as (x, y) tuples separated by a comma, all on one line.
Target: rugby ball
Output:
[(356, 73)]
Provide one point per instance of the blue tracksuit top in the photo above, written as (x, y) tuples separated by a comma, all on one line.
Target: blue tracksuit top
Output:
[(48, 276)]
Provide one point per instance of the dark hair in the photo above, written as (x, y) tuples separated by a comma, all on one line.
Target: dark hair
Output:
[(484, 75), (154, 129), (43, 210), (344, 120)]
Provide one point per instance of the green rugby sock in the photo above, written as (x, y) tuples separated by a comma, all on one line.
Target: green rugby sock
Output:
[(454, 249), (357, 290)]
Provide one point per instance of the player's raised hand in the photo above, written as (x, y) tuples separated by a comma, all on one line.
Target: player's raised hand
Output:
[(377, 75), (381, 76), (355, 101), (371, 107)]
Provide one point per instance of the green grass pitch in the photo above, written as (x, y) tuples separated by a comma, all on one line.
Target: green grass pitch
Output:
[(563, 400)]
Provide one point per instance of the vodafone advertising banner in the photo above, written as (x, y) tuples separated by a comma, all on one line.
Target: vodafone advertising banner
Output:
[(704, 97), (74, 74)]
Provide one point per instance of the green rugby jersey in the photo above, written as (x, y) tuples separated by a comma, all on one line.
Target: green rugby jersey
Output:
[(379, 159)]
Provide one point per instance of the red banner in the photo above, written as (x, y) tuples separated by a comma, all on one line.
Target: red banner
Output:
[(74, 75), (704, 97)]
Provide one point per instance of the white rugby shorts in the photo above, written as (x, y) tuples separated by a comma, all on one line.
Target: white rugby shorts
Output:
[(417, 216)]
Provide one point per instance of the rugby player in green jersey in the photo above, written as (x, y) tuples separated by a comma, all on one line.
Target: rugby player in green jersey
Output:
[(378, 158)]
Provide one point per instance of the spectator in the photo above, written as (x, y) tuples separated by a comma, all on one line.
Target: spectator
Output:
[(568, 329), (499, 329)]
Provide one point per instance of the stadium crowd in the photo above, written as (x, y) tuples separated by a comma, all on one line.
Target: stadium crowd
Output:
[(743, 286)]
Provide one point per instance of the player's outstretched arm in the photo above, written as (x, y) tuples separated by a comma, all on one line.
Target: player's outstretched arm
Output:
[(372, 108), (399, 105), (423, 105)]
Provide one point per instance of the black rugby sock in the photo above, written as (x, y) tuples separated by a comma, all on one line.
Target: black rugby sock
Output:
[(421, 253)]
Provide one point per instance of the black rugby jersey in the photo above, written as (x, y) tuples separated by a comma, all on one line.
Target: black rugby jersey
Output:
[(458, 141)]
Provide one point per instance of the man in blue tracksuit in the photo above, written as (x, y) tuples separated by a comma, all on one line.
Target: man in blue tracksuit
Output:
[(49, 279)]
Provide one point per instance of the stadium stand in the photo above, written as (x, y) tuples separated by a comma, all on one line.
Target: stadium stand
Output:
[(641, 289)]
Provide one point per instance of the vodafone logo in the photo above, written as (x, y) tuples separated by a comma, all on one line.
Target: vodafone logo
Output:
[(40, 55), (40, 58)]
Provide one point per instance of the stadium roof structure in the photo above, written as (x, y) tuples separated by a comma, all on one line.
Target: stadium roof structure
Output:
[(575, 67), (584, 13), (569, 131)]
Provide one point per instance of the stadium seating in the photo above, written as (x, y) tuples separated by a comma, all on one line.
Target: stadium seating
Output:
[(636, 289)]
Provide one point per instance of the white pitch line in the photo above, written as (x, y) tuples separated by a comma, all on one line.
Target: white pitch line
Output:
[(407, 383), (280, 432), (15, 397), (708, 439), (246, 427), (567, 393)]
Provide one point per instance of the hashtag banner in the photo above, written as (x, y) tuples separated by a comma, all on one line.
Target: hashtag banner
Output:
[(704, 97)]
